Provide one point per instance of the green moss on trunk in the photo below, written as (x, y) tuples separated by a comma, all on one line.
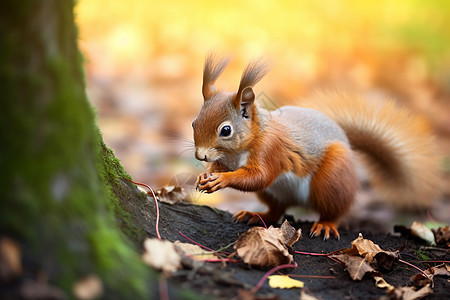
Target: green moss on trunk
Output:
[(57, 184)]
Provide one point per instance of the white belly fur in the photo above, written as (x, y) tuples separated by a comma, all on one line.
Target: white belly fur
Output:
[(290, 189)]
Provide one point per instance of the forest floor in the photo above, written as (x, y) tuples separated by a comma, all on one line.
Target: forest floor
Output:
[(323, 277)]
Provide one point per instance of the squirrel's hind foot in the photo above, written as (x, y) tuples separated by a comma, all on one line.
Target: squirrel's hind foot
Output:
[(317, 228)]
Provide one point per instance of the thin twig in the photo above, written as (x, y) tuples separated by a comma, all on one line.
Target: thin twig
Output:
[(319, 254), (264, 223), (312, 276), (209, 249), (204, 247), (156, 204), (415, 267), (271, 271)]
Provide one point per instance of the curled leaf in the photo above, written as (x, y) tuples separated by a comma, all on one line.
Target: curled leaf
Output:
[(267, 247), (442, 236), (373, 254), (171, 194), (356, 266), (382, 284)]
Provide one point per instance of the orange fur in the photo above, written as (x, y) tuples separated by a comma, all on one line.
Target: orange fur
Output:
[(334, 184)]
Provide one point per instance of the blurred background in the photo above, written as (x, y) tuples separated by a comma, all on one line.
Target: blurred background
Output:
[(144, 63)]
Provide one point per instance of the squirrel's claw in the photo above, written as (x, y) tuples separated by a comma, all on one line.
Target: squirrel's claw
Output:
[(209, 182), (317, 228)]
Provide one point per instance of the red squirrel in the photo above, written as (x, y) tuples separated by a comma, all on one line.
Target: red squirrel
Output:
[(304, 155)]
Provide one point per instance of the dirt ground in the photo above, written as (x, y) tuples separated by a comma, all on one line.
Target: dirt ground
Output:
[(214, 228)]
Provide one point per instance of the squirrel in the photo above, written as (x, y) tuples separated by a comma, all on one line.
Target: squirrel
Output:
[(303, 155)]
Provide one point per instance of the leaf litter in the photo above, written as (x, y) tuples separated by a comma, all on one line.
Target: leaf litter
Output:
[(267, 247)]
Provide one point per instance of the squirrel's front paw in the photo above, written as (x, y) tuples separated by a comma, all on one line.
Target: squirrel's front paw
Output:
[(209, 182)]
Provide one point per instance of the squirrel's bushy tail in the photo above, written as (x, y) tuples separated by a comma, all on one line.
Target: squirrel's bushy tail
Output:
[(398, 148)]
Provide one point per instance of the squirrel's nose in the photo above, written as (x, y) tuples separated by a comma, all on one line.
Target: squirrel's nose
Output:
[(200, 154)]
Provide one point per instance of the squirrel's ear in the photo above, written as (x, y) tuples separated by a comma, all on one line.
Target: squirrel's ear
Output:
[(246, 100), (213, 68)]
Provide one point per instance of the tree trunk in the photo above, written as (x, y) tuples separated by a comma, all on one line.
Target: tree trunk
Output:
[(57, 177)]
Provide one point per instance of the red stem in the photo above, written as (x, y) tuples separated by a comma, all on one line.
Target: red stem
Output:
[(264, 223), (411, 265), (196, 242), (312, 276), (271, 271), (156, 204)]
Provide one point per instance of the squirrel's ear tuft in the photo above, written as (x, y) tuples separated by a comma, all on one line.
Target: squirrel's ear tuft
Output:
[(246, 101), (253, 73), (213, 68)]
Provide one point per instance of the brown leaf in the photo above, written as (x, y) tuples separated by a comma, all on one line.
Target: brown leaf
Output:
[(267, 247), (290, 234), (356, 266), (364, 248), (420, 280), (442, 236), (385, 259), (171, 194), (372, 253)]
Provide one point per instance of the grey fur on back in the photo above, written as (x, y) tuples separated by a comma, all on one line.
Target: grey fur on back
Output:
[(312, 130)]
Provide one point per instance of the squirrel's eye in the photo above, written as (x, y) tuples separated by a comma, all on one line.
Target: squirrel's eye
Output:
[(225, 131)]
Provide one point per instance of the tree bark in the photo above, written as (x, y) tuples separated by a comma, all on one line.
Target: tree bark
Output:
[(57, 177)]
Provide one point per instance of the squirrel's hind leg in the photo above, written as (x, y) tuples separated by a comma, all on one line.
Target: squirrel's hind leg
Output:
[(333, 188)]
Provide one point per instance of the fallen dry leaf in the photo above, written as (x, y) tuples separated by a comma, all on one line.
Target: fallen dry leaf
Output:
[(356, 266), (420, 279), (442, 236), (421, 231), (363, 256), (10, 259), (409, 293), (284, 282), (263, 247), (367, 249), (161, 255), (171, 194), (88, 288), (289, 233)]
